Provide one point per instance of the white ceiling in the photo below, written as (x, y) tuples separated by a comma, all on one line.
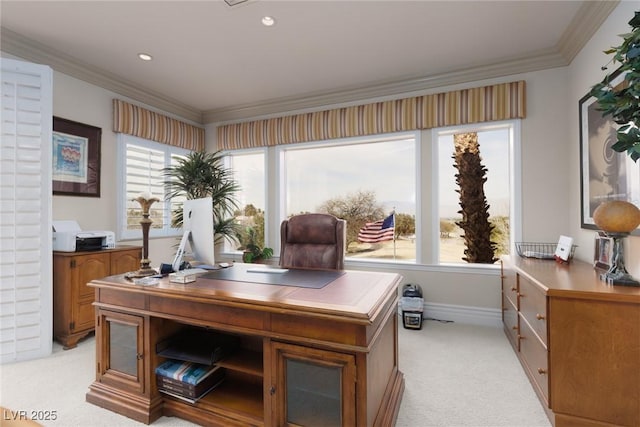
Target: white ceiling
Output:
[(213, 62)]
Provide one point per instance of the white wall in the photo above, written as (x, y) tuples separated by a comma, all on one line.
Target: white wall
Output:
[(82, 102)]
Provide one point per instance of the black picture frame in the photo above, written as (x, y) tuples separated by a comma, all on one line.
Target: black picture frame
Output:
[(75, 158), (604, 173)]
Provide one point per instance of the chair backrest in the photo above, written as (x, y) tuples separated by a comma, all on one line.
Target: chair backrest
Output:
[(313, 241)]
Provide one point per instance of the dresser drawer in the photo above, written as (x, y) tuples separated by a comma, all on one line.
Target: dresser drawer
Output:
[(510, 286), (510, 320), (533, 307), (535, 357)]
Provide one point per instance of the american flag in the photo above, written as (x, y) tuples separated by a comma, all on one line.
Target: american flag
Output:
[(379, 231)]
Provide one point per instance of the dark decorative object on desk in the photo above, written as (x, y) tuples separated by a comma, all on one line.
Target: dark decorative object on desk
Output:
[(145, 200), (76, 158)]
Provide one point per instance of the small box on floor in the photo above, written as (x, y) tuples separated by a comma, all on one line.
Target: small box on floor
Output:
[(412, 306), (412, 319)]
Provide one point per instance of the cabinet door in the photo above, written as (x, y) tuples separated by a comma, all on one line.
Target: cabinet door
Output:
[(125, 261), (313, 387), (121, 361), (84, 269)]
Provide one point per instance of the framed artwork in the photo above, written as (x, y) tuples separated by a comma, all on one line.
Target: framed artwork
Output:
[(76, 158), (604, 173), (603, 251)]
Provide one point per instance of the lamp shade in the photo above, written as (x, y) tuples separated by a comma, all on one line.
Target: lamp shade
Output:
[(617, 216)]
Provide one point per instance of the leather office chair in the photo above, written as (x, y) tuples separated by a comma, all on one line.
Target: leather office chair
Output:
[(313, 241)]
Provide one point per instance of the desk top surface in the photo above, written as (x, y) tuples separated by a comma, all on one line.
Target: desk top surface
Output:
[(355, 294)]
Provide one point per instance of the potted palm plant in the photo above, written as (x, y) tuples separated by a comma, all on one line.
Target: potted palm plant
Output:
[(202, 174)]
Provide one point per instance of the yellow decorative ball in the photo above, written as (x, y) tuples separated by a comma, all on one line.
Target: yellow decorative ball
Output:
[(617, 216)]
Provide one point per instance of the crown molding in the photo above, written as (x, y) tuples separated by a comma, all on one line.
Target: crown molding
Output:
[(589, 18), (393, 89), (30, 50), (586, 22)]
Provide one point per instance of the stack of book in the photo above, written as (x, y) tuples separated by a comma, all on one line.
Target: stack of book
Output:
[(188, 381)]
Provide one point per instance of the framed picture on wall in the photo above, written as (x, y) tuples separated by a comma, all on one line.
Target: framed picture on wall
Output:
[(603, 251), (604, 173), (76, 158)]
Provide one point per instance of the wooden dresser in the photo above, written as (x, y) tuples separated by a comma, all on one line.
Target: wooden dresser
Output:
[(578, 340), (73, 312)]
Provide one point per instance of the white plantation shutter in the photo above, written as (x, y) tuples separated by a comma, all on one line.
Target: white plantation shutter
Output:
[(25, 211), (141, 163)]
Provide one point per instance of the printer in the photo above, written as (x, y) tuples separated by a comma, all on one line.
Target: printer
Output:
[(68, 237)]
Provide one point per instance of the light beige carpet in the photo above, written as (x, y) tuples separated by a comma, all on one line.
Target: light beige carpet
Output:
[(455, 375)]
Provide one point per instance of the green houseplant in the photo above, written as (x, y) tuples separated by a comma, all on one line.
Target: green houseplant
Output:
[(252, 251), (202, 174), (623, 103)]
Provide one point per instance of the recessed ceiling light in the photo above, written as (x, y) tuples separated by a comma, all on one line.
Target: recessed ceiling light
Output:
[(145, 56), (268, 21)]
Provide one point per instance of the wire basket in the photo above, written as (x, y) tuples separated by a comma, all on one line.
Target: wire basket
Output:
[(540, 250)]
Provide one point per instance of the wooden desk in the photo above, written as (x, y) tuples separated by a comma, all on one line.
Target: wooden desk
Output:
[(293, 340)]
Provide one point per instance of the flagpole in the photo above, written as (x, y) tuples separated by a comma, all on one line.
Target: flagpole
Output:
[(394, 233)]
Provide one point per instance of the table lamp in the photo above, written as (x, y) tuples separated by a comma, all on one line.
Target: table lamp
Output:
[(617, 219), (145, 200)]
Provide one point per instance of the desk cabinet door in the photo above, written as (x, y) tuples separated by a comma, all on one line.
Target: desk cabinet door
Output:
[(121, 361), (313, 387)]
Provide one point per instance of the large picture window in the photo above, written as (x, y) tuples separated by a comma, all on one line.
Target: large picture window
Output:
[(409, 174), (494, 144), (360, 180)]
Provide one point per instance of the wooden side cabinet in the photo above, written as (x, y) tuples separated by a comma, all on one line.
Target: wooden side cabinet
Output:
[(578, 340), (73, 312)]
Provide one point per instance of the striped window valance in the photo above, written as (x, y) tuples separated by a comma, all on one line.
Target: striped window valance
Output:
[(143, 123), (483, 104)]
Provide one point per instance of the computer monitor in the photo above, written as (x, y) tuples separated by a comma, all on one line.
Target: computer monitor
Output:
[(198, 231)]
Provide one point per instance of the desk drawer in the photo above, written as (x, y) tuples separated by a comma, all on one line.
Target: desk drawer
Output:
[(533, 306), (535, 356)]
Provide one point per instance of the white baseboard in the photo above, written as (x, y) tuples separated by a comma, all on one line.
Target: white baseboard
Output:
[(462, 314)]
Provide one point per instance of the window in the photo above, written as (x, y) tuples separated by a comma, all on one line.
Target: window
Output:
[(140, 165), (495, 149), (353, 177), (249, 173), (360, 180)]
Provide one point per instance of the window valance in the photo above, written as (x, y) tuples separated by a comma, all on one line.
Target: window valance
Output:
[(143, 123), (483, 104)]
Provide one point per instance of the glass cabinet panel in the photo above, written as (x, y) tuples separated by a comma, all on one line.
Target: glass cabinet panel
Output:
[(122, 363), (314, 387), (123, 348), (314, 393)]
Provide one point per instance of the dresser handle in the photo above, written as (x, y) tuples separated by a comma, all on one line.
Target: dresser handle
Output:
[(515, 328), (520, 337), (542, 371), (539, 316), (514, 289)]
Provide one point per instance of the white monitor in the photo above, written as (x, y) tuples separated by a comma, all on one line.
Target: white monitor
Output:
[(197, 223)]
